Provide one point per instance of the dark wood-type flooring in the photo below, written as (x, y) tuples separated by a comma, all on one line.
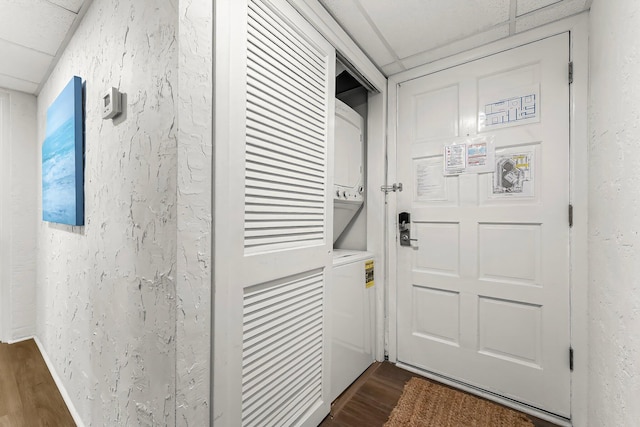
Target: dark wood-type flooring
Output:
[(371, 398), (28, 395)]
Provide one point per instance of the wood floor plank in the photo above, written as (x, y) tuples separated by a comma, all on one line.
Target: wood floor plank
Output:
[(10, 402), (12, 420), (40, 401)]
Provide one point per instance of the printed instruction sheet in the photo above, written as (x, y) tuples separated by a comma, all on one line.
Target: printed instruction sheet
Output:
[(429, 180)]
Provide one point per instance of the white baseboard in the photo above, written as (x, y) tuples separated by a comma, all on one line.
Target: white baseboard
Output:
[(21, 339), (58, 381)]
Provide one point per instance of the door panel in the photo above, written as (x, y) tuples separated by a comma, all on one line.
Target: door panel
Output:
[(483, 293), (274, 139)]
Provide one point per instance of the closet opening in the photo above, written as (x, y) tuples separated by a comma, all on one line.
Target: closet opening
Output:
[(352, 297)]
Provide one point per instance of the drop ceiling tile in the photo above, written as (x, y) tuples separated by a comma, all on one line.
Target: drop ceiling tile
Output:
[(36, 24), (17, 84), (71, 5), (476, 40), (22, 62), (526, 6), (415, 26), (550, 14), (349, 16)]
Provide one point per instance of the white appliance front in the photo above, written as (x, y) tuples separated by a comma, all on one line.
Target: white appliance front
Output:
[(348, 168), (352, 319)]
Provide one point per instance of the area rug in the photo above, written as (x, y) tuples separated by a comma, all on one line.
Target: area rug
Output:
[(427, 404)]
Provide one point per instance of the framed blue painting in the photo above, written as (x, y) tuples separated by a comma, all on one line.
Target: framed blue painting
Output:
[(62, 158)]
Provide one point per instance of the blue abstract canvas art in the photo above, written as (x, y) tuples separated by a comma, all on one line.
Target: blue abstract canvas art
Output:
[(62, 158)]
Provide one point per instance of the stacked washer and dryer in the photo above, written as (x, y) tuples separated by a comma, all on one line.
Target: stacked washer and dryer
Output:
[(352, 295)]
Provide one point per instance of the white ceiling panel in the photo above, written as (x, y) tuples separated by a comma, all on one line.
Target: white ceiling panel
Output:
[(33, 36), (414, 26), (349, 15), (549, 14), (476, 40), (23, 63), (17, 84), (71, 5), (36, 24), (526, 6), (402, 34)]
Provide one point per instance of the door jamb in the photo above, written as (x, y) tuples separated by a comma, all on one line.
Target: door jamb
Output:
[(5, 150), (577, 26)]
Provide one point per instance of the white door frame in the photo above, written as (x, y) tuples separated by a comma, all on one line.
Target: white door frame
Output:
[(578, 28), (5, 179)]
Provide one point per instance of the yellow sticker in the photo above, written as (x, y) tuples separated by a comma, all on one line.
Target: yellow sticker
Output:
[(368, 274)]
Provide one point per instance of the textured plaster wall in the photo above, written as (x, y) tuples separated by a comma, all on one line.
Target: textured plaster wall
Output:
[(195, 80), (19, 204), (107, 291), (614, 214)]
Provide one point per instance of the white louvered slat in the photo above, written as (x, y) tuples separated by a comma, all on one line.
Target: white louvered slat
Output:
[(285, 34), (260, 151), (286, 122), (261, 168), (287, 48), (287, 135), (262, 137), (265, 93), (281, 72), (294, 206), (281, 129), (268, 195), (282, 350)]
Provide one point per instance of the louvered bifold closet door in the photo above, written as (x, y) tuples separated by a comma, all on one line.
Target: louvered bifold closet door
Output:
[(286, 152), (281, 257)]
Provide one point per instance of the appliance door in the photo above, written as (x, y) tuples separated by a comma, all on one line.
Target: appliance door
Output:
[(352, 317)]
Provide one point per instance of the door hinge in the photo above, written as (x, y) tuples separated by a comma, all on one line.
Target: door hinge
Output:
[(391, 188), (571, 359), (570, 216), (570, 72)]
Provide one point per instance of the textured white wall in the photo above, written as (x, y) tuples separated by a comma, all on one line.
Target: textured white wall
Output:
[(19, 162), (195, 80), (614, 214), (106, 291)]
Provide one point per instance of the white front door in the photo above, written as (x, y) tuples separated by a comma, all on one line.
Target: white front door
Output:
[(274, 118), (483, 293)]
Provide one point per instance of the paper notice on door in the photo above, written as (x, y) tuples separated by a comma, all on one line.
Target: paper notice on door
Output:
[(429, 180), (455, 158), (480, 155), (510, 108), (513, 175)]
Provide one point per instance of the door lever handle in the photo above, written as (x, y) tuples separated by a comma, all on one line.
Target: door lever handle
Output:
[(405, 238)]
